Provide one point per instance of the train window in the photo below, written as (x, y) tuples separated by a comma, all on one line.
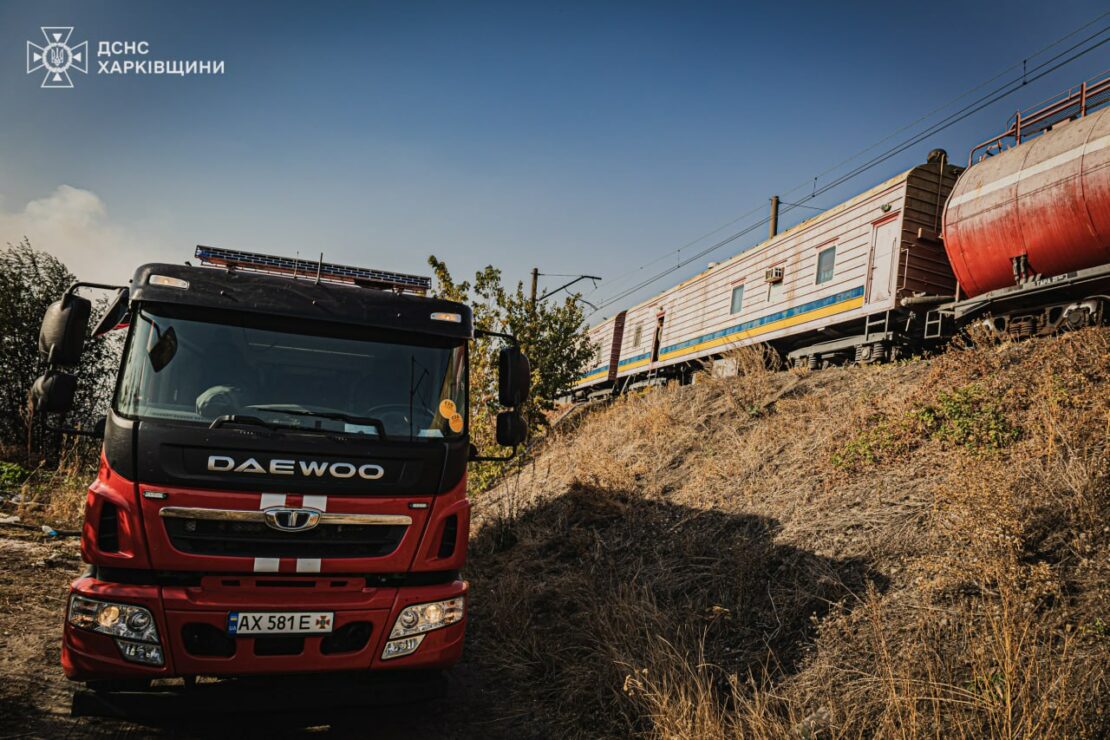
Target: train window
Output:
[(637, 335), (826, 259), (737, 299)]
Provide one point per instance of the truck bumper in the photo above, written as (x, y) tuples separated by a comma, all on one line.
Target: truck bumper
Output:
[(192, 626)]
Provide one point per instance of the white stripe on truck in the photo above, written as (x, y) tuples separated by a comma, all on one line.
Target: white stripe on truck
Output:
[(267, 565), (308, 565), (320, 503), (271, 499)]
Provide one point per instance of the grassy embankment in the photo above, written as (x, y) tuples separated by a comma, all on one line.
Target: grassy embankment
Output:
[(917, 549)]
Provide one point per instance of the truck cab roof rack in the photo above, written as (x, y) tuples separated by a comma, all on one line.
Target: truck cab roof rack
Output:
[(318, 271)]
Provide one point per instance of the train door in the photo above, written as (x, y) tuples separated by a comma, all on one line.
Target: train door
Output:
[(614, 356), (884, 248), (657, 339)]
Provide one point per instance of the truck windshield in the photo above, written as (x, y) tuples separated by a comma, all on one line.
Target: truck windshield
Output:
[(323, 378)]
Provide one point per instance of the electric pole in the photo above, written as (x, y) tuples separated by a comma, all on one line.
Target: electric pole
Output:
[(536, 275)]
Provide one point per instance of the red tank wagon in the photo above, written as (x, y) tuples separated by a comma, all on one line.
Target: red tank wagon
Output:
[(1027, 226), (1040, 207)]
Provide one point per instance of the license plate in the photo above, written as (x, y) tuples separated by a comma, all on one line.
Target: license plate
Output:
[(279, 623)]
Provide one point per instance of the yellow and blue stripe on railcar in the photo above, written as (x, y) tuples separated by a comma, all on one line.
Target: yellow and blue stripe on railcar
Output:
[(813, 310), (820, 308), (591, 376)]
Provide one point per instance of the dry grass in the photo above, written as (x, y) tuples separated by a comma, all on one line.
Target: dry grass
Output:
[(52, 494), (906, 550), (917, 549)]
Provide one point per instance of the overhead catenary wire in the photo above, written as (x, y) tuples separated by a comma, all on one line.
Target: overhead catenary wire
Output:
[(1024, 79), (803, 205), (960, 115), (979, 104), (995, 95), (1023, 64)]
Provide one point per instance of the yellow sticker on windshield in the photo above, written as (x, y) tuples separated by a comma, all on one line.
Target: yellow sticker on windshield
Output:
[(447, 408), (456, 422)]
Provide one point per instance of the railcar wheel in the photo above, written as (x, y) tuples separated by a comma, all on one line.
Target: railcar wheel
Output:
[(869, 354)]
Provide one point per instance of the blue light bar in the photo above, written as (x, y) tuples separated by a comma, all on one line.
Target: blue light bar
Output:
[(324, 271)]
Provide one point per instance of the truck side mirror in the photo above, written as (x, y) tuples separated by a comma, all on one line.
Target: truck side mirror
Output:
[(53, 392), (514, 378), (62, 335), (115, 313), (512, 430)]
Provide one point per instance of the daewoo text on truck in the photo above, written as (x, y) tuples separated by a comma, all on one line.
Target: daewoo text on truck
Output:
[(282, 486)]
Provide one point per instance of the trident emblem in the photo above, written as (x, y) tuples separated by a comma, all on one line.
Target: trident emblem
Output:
[(57, 57)]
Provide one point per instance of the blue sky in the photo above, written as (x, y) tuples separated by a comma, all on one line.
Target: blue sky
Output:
[(586, 137)]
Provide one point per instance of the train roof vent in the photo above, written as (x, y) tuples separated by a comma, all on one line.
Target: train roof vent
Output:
[(319, 271)]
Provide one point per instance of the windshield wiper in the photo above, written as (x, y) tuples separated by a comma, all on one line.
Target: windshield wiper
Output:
[(366, 421), (219, 421)]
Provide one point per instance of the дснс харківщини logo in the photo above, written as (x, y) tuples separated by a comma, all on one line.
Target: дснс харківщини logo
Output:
[(57, 57)]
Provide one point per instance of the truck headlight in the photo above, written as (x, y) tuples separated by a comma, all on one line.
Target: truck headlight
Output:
[(119, 620), (419, 618), (414, 621)]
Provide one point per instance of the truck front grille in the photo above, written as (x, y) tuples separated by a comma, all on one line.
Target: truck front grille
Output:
[(246, 534)]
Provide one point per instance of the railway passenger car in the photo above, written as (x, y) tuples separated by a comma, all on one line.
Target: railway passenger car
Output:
[(826, 291)]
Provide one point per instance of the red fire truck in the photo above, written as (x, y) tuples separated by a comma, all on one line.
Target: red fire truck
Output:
[(282, 486)]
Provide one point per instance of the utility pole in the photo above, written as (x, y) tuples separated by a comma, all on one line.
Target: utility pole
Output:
[(536, 275)]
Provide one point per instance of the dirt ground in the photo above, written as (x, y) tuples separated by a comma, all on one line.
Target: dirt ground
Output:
[(35, 696)]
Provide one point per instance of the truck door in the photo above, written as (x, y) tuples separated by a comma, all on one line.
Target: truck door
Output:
[(884, 250)]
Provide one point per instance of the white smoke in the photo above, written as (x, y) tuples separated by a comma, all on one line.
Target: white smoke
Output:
[(73, 225)]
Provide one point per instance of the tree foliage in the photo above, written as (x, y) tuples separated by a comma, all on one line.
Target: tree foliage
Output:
[(30, 280), (551, 333)]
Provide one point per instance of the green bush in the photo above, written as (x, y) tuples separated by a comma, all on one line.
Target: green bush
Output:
[(868, 447), (968, 418), (12, 474), (965, 417)]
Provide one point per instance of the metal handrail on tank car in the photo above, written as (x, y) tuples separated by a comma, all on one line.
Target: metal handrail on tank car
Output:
[(1076, 103)]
